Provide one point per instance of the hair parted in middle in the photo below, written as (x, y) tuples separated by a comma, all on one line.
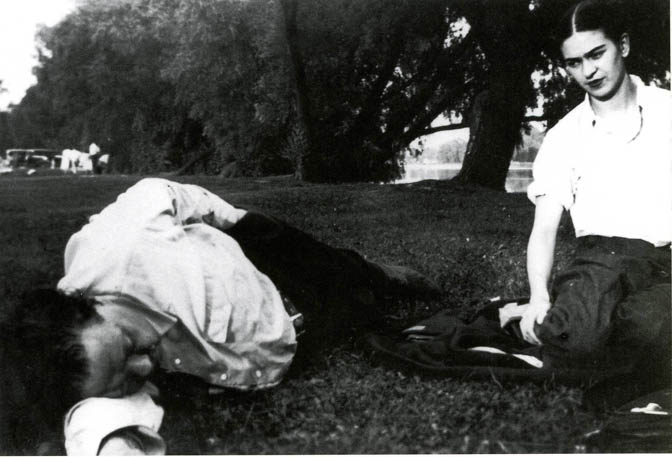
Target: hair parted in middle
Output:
[(587, 15)]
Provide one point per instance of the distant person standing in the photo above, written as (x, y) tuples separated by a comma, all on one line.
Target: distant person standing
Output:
[(608, 163), (95, 156), (101, 164), (70, 160), (94, 149)]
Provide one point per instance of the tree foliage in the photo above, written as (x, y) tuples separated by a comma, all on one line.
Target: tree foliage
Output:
[(333, 90), (99, 79), (515, 37)]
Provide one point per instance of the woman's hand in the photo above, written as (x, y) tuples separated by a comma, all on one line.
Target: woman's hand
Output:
[(535, 313)]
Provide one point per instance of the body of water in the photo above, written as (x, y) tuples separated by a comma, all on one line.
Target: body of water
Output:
[(519, 177)]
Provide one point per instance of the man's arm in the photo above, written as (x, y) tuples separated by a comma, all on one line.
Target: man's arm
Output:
[(159, 203), (152, 204), (193, 203), (119, 426), (184, 203), (540, 254)]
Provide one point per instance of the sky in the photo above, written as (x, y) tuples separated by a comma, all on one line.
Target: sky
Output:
[(18, 23)]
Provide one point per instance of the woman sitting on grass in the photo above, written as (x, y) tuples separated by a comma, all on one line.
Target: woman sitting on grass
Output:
[(608, 163), (607, 316)]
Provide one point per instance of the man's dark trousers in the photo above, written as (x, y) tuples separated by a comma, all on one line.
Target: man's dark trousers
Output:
[(335, 289)]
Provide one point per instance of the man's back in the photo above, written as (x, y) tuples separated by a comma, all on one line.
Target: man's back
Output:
[(154, 253)]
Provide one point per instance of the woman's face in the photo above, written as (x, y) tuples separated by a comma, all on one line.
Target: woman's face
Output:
[(596, 62)]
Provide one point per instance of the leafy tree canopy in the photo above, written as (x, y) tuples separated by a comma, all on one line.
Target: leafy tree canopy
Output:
[(336, 90)]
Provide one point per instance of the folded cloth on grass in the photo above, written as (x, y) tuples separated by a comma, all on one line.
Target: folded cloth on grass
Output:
[(449, 345), (641, 425)]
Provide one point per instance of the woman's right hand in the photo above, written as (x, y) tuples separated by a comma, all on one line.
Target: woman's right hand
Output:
[(535, 313)]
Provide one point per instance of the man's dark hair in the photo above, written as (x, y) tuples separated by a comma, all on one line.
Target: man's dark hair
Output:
[(43, 362), (586, 15)]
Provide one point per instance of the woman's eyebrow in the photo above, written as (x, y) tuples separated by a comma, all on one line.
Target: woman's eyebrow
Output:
[(587, 54), (595, 49)]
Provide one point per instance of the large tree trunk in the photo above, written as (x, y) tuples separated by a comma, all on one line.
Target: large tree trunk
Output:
[(494, 131), (506, 34), (288, 10)]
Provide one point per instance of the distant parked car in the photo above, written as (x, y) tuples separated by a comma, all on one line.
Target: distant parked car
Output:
[(32, 158)]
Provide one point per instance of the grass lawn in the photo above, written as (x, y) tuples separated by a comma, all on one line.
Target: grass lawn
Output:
[(471, 241)]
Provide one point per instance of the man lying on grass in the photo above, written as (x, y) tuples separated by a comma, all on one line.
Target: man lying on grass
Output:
[(608, 162), (171, 276)]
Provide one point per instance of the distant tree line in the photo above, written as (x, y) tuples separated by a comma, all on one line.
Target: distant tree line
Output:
[(331, 90)]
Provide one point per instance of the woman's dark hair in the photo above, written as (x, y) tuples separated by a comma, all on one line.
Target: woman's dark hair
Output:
[(605, 15), (43, 362)]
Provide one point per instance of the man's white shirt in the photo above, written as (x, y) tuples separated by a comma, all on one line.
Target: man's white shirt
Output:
[(159, 253)]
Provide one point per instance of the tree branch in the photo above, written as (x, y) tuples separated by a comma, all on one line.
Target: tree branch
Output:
[(462, 125), (421, 102), (375, 96), (443, 128)]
